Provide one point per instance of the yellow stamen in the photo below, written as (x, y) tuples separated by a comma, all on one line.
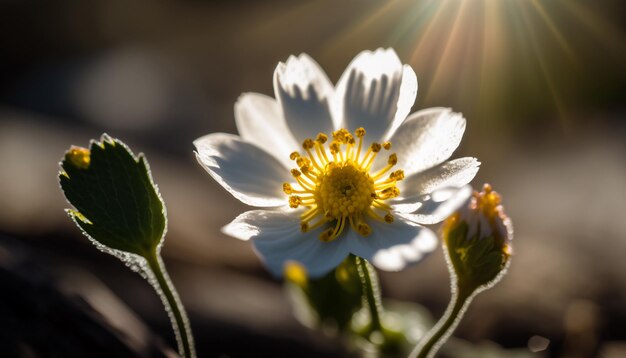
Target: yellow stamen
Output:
[(383, 171), (375, 147), (340, 191), (308, 143), (311, 213), (364, 229), (321, 153), (360, 133), (303, 183), (389, 183), (380, 205), (309, 172), (371, 213), (302, 161), (294, 201), (397, 175), (393, 159), (319, 223)]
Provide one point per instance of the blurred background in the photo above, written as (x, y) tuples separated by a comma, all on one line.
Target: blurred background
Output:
[(541, 83)]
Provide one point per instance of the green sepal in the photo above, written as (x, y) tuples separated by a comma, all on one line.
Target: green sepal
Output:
[(331, 300), (116, 203), (476, 261)]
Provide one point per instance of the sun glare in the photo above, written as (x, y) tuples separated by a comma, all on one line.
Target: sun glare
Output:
[(484, 55)]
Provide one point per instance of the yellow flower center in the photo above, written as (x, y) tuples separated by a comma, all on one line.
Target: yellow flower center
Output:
[(337, 187)]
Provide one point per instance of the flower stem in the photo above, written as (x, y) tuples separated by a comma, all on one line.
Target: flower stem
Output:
[(372, 293), (175, 310), (438, 335)]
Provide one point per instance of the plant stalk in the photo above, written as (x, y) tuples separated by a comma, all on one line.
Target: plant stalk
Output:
[(430, 344), (175, 310), (372, 295)]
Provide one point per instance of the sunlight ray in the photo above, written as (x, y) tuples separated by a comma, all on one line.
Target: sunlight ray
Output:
[(549, 22), (533, 40)]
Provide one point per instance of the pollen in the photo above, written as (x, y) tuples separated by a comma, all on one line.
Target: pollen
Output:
[(335, 184)]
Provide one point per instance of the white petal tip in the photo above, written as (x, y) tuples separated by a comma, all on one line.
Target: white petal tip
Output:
[(240, 231)]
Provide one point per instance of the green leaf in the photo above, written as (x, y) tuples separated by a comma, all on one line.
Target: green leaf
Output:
[(116, 202)]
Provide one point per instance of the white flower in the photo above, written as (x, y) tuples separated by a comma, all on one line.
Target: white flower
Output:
[(307, 158)]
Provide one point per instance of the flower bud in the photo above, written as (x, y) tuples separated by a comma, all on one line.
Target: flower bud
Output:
[(78, 157), (478, 240)]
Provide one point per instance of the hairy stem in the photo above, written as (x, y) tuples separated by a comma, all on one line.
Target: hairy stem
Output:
[(173, 306), (372, 293), (430, 344)]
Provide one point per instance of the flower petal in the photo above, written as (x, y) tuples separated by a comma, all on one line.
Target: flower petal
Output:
[(456, 173), (391, 247), (375, 92), (277, 239), (427, 138), (435, 207), (303, 90), (260, 122), (247, 172)]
